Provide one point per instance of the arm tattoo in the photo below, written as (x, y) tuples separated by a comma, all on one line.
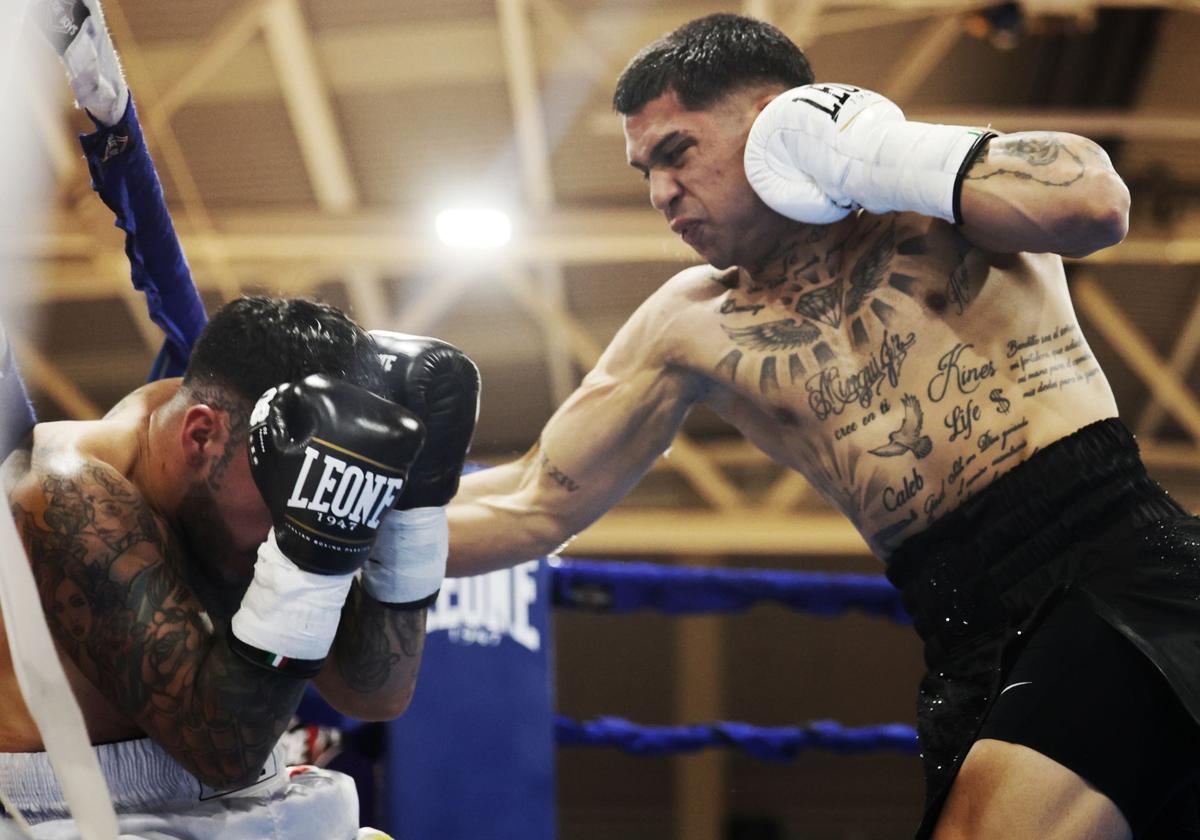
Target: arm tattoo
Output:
[(378, 644), (110, 578), (1041, 158), (558, 476)]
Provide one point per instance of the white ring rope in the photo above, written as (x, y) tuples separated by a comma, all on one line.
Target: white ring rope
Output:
[(35, 660)]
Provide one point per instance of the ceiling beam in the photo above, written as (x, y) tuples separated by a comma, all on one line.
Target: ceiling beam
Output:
[(1138, 353), (575, 45), (288, 261), (929, 49), (1183, 356), (227, 38), (46, 376), (164, 138), (309, 106), (533, 153)]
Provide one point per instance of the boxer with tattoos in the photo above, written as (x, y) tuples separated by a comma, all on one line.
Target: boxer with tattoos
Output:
[(197, 552), (885, 311)]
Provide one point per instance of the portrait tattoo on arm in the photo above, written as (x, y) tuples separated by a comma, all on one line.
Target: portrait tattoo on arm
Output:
[(109, 575)]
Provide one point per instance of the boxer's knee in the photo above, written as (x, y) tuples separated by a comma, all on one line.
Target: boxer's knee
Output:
[(1010, 792)]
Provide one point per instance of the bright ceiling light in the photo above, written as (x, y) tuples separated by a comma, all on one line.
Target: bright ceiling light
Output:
[(473, 227)]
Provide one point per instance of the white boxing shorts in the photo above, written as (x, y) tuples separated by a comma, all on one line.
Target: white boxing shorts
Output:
[(157, 799)]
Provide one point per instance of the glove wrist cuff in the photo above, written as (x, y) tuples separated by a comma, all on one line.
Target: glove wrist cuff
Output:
[(408, 561), (916, 167), (286, 612)]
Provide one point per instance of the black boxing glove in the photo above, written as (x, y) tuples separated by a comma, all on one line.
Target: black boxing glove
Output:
[(438, 383), (329, 459)]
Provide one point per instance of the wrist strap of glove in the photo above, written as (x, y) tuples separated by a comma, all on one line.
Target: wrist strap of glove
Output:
[(917, 167), (408, 561), (303, 669), (288, 617)]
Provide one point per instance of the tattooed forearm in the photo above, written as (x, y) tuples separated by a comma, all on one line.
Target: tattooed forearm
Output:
[(378, 647), (1042, 158), (109, 575)]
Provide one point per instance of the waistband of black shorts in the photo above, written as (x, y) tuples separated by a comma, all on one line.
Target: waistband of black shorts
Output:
[(1042, 520)]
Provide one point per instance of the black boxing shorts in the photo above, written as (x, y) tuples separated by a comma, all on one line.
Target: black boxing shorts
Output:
[(1077, 532)]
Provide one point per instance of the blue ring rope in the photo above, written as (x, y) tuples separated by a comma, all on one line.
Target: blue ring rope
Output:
[(619, 587), (769, 743)]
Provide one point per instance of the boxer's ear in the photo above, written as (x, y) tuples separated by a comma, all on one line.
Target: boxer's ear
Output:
[(201, 433)]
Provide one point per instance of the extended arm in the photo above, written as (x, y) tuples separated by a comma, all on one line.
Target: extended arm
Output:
[(1043, 192), (591, 452), (113, 590)]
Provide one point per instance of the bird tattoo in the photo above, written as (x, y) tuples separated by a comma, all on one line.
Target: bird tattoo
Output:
[(908, 437)]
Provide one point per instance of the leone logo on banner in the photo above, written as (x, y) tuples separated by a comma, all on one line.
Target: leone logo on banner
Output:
[(486, 609)]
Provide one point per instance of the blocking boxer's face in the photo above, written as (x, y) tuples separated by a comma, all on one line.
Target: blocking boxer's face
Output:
[(224, 522), (222, 515), (692, 162)]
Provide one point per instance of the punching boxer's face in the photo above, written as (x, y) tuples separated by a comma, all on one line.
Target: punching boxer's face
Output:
[(692, 162)]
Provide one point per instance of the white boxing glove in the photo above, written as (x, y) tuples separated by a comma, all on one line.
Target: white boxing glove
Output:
[(819, 151)]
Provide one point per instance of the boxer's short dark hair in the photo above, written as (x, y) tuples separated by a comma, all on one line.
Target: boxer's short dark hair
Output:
[(254, 343), (707, 58)]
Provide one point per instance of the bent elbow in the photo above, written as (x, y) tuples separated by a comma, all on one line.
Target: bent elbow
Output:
[(1102, 222), (380, 709), (1112, 213)]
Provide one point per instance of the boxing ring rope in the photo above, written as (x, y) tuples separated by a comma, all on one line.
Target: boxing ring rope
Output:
[(622, 587), (768, 743)]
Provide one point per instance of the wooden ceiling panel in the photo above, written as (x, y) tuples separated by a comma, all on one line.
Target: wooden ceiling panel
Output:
[(155, 20), (1168, 82), (412, 148), (244, 154), (247, 75), (595, 291), (342, 14)]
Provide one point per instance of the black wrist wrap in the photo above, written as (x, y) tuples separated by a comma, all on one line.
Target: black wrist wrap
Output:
[(976, 147), (299, 668)]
